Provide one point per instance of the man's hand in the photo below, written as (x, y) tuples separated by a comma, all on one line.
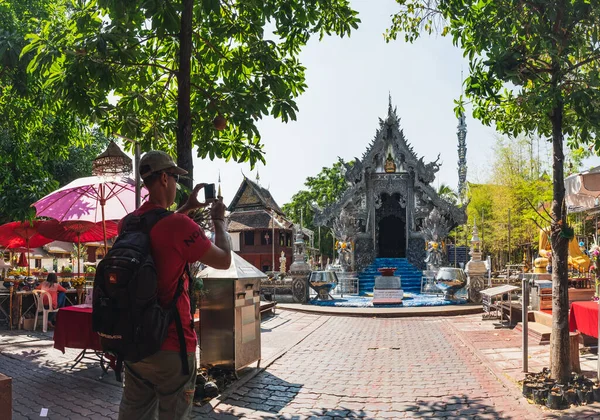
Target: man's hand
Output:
[(217, 210), (192, 202), (219, 254)]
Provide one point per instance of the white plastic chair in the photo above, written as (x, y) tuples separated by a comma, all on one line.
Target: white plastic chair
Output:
[(39, 299)]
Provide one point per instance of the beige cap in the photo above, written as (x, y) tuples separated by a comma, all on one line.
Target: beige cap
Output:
[(156, 161)]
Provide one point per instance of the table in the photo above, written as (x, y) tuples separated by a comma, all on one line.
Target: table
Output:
[(5, 307), (74, 330), (493, 300), (31, 308), (584, 318)]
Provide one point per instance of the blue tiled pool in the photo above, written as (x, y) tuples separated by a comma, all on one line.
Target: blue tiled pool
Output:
[(410, 300)]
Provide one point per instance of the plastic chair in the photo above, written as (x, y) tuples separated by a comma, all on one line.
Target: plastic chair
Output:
[(39, 299)]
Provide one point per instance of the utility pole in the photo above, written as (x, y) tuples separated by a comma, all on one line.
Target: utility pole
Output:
[(508, 259)]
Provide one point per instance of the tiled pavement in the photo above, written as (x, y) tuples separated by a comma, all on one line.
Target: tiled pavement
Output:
[(378, 368), (318, 367)]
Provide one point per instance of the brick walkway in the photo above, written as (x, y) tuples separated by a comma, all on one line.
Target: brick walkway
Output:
[(378, 368), (318, 367)]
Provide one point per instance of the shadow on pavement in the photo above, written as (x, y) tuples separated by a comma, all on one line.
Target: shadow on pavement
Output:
[(455, 407), (265, 392)]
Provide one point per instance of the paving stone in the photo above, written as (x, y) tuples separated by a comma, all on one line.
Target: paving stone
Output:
[(342, 368)]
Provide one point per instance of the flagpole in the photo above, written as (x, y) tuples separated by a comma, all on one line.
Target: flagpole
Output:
[(28, 258), (102, 203)]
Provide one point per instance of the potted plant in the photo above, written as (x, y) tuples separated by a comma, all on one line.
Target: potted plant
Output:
[(78, 282), (90, 272), (66, 271)]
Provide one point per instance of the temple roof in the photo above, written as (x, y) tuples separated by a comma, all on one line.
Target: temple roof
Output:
[(251, 196), (389, 150), (390, 141), (256, 219)]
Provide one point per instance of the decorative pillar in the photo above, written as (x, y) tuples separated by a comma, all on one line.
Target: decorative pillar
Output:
[(476, 268), (300, 270)]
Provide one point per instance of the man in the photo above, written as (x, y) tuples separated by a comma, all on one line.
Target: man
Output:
[(156, 385)]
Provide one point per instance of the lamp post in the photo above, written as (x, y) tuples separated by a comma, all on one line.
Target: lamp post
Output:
[(273, 235), (137, 153)]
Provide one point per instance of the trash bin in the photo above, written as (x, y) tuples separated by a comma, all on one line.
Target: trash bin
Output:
[(230, 315)]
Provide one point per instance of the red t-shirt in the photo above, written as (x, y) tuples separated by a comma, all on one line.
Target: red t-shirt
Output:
[(52, 289), (176, 240)]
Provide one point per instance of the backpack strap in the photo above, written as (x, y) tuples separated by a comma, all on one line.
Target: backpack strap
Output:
[(119, 369), (191, 285), (144, 222), (185, 367)]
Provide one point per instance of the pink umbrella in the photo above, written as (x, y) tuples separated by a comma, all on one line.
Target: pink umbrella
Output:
[(92, 199)]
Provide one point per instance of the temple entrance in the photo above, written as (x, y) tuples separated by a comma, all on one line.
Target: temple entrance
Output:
[(392, 238)]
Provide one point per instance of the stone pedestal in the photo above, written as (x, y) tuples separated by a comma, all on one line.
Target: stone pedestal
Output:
[(5, 397), (476, 272), (475, 269), (300, 288), (299, 271), (387, 290)]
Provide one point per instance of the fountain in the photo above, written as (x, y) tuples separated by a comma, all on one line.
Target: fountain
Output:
[(323, 282), (449, 280)]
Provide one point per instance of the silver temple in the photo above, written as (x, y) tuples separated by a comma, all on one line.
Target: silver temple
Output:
[(388, 199)]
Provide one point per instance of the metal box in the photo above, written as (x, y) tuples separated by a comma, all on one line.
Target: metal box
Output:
[(230, 315)]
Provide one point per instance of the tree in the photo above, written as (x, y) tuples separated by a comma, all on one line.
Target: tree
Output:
[(533, 68), (447, 193), (322, 190), (205, 71), (39, 140)]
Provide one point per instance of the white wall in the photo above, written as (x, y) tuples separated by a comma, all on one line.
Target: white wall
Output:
[(235, 241)]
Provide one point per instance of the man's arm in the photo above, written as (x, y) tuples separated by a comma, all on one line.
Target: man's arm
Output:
[(219, 254)]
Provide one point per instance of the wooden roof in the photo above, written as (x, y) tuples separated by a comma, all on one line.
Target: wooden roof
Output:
[(251, 196), (256, 219)]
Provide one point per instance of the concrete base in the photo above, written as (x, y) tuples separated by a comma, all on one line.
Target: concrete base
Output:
[(5, 397), (383, 312), (387, 296)]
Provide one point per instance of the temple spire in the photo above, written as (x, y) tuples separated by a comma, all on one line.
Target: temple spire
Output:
[(390, 108), (219, 192), (462, 153)]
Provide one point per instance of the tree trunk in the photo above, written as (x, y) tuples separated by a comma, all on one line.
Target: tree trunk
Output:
[(560, 363), (184, 112)]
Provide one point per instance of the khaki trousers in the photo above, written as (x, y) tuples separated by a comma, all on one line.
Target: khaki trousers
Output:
[(156, 388)]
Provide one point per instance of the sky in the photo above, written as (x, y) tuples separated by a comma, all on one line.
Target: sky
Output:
[(349, 80)]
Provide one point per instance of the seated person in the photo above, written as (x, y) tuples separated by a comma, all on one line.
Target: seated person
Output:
[(57, 293)]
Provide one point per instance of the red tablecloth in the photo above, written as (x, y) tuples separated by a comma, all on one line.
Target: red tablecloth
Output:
[(584, 318), (74, 329)]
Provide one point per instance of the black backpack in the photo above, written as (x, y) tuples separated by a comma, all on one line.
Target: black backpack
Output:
[(126, 314)]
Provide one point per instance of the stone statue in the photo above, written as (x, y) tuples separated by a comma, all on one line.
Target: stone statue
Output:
[(282, 261), (435, 256), (434, 229)]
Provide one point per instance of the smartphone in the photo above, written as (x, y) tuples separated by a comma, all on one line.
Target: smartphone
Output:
[(209, 192)]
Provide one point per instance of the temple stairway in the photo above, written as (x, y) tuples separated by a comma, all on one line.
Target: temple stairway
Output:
[(409, 275)]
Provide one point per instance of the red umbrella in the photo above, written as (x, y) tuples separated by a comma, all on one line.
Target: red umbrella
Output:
[(22, 234), (22, 260), (78, 232)]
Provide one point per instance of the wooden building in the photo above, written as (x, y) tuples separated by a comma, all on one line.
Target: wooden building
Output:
[(258, 227)]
